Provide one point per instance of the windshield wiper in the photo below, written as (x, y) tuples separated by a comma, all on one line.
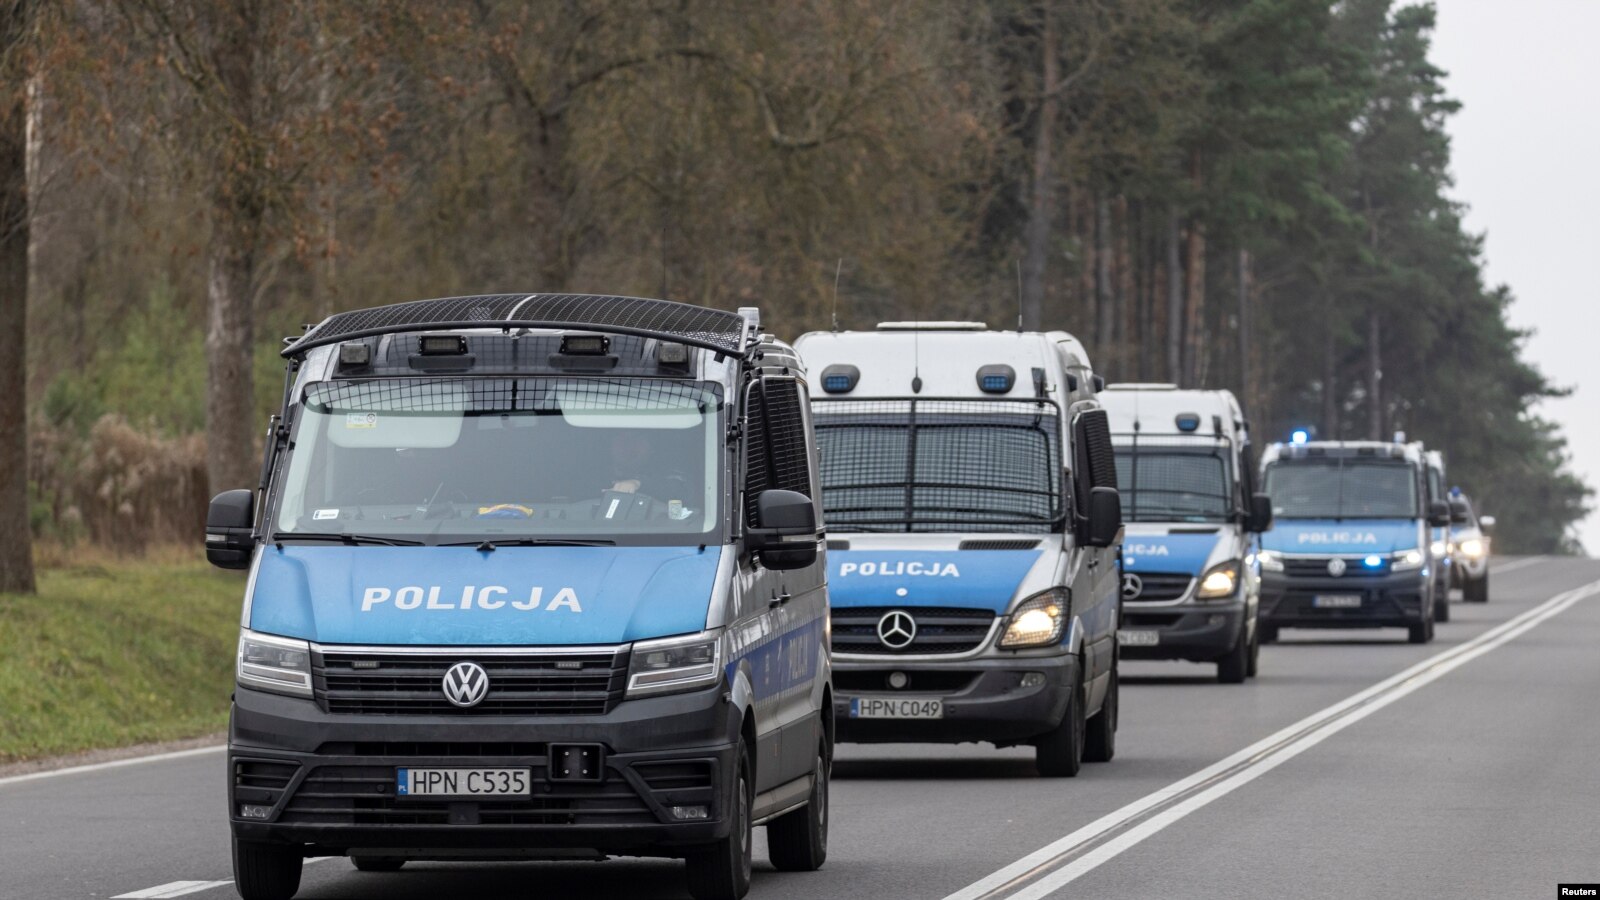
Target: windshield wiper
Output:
[(489, 545), (342, 537)]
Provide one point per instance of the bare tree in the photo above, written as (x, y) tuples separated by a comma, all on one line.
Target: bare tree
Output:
[(16, 538)]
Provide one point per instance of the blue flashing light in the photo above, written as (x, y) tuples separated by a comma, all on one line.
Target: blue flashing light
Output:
[(1374, 561), (1300, 436), (1188, 422), (834, 383), (996, 383)]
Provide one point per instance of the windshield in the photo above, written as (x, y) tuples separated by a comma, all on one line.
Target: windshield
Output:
[(940, 465), (443, 460), (1168, 485), (1342, 489)]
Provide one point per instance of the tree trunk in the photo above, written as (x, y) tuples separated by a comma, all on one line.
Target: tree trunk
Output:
[(1104, 313), (1036, 234), (1174, 299), (1194, 302), (230, 342), (16, 537), (1330, 393), (1375, 415), (1246, 395)]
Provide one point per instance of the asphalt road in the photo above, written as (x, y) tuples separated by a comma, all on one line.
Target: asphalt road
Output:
[(1475, 773)]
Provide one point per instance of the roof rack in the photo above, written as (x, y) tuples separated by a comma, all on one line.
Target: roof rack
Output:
[(711, 329)]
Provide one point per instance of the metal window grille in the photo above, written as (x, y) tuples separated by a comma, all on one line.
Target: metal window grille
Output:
[(481, 395), (775, 442), (929, 465), (1173, 477)]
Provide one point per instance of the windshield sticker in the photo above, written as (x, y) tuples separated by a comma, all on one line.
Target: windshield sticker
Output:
[(491, 596), (324, 514), (361, 420)]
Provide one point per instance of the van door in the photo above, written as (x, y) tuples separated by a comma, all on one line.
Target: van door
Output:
[(1094, 462)]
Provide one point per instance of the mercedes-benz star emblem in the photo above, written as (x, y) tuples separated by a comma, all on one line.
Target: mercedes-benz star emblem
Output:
[(1336, 567), (1132, 586), (896, 630), (466, 684)]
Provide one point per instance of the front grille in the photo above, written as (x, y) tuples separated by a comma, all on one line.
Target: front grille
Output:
[(1158, 586), (364, 795), (260, 782), (433, 748), (533, 684), (1151, 620), (939, 630), (929, 682), (1317, 567)]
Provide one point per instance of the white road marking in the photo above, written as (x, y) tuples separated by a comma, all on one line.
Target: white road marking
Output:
[(1048, 869), (174, 889), (113, 764)]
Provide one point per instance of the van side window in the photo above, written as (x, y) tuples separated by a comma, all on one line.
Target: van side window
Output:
[(775, 441)]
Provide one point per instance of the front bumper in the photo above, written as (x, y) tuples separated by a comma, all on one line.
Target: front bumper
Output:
[(1198, 632), (328, 780), (1395, 600), (983, 698)]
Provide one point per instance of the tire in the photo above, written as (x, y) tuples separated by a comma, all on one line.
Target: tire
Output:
[(798, 841), (266, 871), (1100, 733), (722, 870), (1267, 634), (373, 864), (1234, 666), (1476, 590), (1059, 753), (1421, 633), (1441, 605), (1254, 667)]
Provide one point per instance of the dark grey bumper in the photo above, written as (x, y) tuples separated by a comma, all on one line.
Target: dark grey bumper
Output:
[(984, 699), (1398, 600), (1199, 632)]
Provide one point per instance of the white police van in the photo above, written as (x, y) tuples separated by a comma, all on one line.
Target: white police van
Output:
[(1190, 586), (973, 517), (1349, 543), (531, 576)]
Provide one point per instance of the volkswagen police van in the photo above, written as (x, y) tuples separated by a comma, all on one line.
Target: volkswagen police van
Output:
[(1348, 546), (973, 516), (531, 576), (1190, 587)]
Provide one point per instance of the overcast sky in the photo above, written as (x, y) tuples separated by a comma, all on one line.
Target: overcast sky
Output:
[(1526, 149)]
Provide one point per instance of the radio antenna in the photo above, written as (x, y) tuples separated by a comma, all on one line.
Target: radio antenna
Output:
[(916, 355), (839, 267), (1019, 294)]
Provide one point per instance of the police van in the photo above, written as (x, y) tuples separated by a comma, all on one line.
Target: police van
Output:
[(1190, 587), (973, 517), (531, 576), (1348, 547), (1440, 559)]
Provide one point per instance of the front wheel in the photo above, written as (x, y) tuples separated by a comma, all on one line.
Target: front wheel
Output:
[(1441, 606), (1476, 590), (1255, 655), (1059, 752), (1267, 634), (1234, 667), (1422, 632), (798, 841), (266, 871), (722, 870)]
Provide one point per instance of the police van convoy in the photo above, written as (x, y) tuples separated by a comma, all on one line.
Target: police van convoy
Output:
[(973, 519), (531, 576), (1349, 543), (1190, 586)]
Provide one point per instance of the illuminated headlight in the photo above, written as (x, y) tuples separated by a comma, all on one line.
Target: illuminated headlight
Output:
[(1220, 581), (269, 663), (1037, 621), (674, 664), (1472, 547), (1406, 560), (1439, 549), (1271, 561)]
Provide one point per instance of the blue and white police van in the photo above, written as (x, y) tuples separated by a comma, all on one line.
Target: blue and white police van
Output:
[(1440, 559), (973, 516), (531, 576), (1348, 547), (1190, 585)]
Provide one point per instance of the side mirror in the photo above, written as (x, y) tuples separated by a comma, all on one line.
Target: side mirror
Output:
[(1105, 517), (1260, 517), (1439, 514), (229, 541), (786, 536), (1459, 513), (1486, 525)]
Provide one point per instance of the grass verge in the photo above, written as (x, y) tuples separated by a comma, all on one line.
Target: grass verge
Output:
[(114, 652)]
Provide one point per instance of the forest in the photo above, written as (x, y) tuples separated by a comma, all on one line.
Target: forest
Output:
[(1243, 194)]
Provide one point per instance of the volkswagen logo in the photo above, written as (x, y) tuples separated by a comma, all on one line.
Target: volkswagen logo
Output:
[(466, 684), (896, 630), (1336, 567), (1132, 586)]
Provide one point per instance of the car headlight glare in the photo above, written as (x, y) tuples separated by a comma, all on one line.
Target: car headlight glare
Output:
[(1440, 549), (674, 664), (1472, 547), (1219, 581), (1406, 560), (1037, 621), (1271, 561), (270, 663)]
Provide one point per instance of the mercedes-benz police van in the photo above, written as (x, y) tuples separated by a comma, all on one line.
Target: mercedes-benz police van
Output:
[(531, 576), (970, 492), (1348, 547), (1190, 585)]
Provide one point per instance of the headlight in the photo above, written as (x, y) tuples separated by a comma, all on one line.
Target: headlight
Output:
[(674, 664), (1037, 621), (1440, 549), (280, 665), (1472, 547), (1406, 560), (1220, 581), (1271, 561)]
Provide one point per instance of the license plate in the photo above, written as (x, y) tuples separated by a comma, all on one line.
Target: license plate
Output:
[(463, 782), (1138, 638), (896, 708), (1336, 601)]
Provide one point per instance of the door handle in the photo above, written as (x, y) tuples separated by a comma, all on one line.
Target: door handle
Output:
[(779, 600)]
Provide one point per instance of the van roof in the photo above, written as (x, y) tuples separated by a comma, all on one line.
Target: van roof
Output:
[(947, 361), (1154, 409)]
